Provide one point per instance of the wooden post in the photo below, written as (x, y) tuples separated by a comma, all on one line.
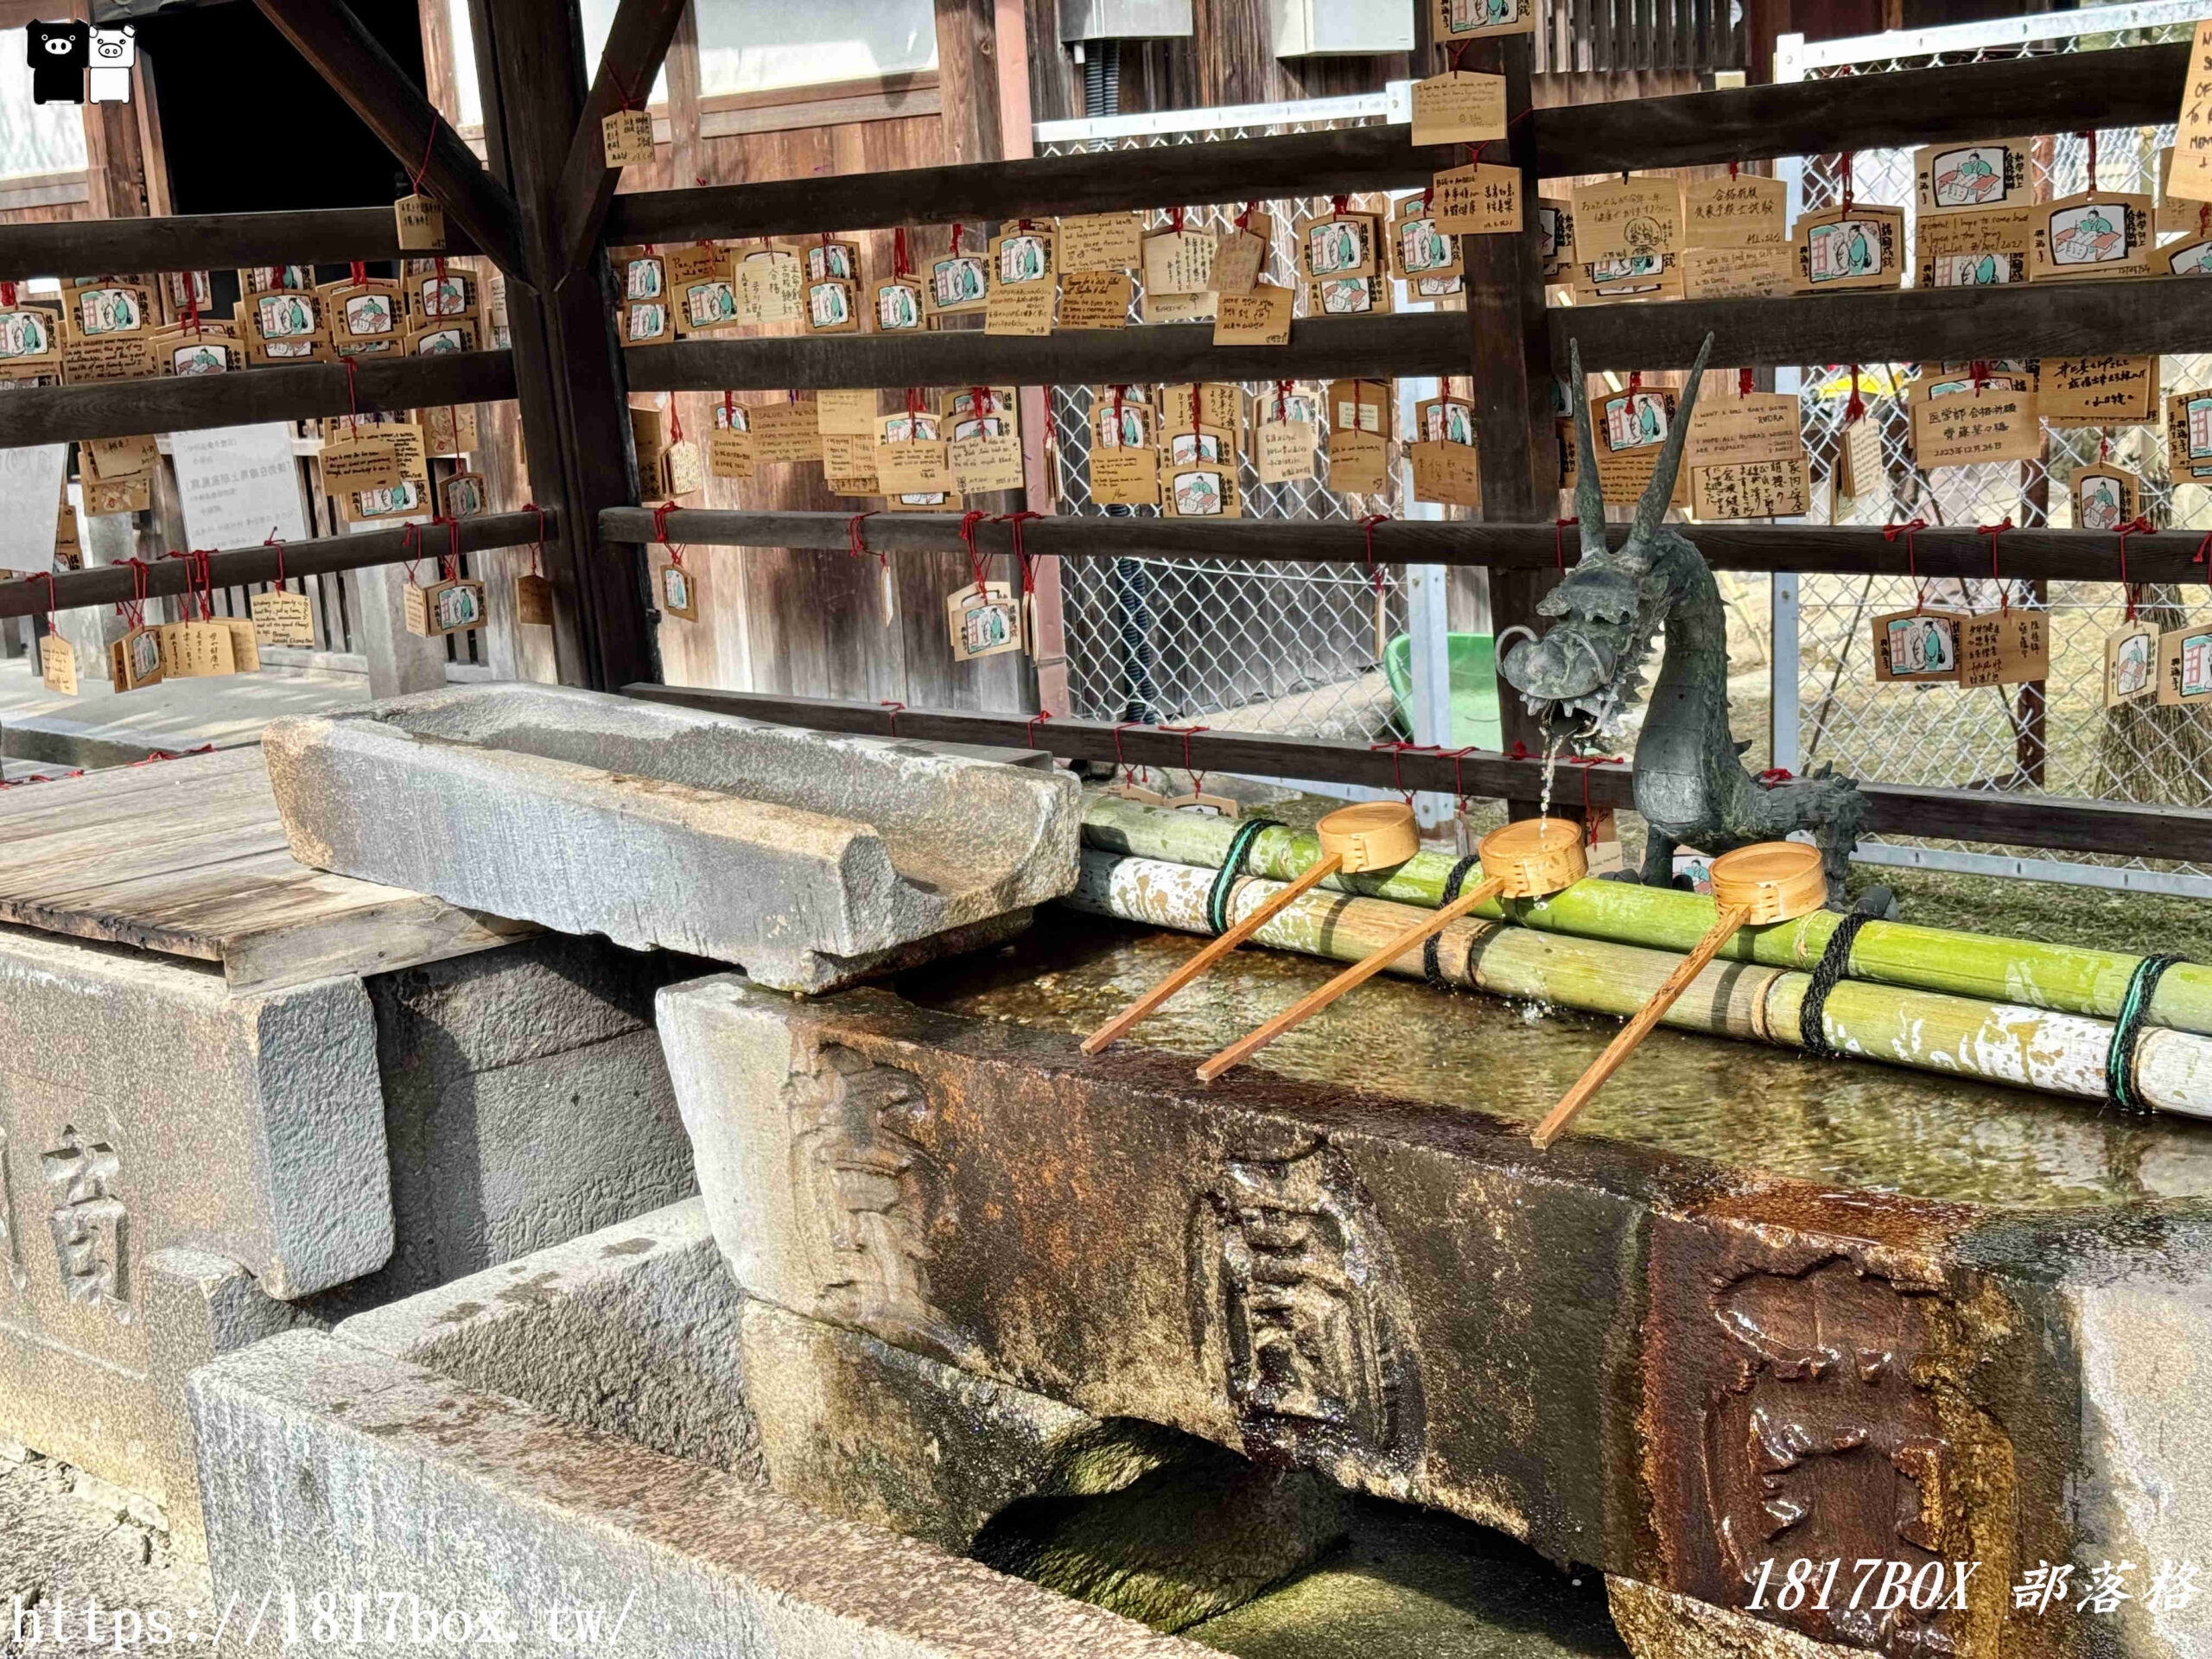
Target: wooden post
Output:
[(1510, 349), (568, 378), (969, 117)]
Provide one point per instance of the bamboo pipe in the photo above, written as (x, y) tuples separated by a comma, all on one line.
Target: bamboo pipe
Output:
[(1992, 1039), (1772, 881), (1523, 860), (1370, 836), (2064, 978)]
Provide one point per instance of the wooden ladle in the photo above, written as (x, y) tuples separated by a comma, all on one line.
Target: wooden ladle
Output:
[(1770, 881), (1371, 836), (1525, 859)]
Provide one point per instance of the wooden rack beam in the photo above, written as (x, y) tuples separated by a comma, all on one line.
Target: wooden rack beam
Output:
[(119, 409), (1956, 814), (1914, 325), (1844, 550), (1418, 343), (87, 247), (113, 584), (2128, 86), (1931, 325)]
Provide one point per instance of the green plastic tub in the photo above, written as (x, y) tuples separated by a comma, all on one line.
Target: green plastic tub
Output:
[(1474, 689)]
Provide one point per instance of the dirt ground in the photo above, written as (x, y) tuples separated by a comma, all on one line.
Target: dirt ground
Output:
[(64, 1551)]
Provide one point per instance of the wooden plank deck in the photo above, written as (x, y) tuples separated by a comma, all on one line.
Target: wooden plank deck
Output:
[(187, 858)]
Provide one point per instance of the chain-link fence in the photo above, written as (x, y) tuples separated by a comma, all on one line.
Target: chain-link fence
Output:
[(2054, 736), (1250, 645)]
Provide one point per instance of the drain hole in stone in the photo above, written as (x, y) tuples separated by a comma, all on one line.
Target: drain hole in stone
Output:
[(1280, 1564)]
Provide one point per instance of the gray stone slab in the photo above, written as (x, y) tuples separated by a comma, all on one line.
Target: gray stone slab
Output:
[(143, 1109), (198, 1306), (635, 1330), (326, 1466), (526, 1102), (806, 858), (1664, 1367), (182, 1168)]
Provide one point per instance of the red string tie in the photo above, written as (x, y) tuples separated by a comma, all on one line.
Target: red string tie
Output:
[(133, 610), (537, 546), (1856, 409), (1559, 540), (969, 521), (1367, 524), (414, 180), (855, 541), (1128, 772), (1031, 728), (1458, 783), (2136, 527), (892, 709), (1890, 533), (1014, 521), (1587, 761), (660, 532), (1198, 777), (2004, 592), (1397, 757)]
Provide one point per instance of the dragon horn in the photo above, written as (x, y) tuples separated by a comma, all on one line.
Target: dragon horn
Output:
[(1659, 491), (1589, 498)]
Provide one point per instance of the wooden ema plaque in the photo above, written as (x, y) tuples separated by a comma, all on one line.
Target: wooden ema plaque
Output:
[(1770, 882), (1863, 248), (1522, 861), (450, 607)]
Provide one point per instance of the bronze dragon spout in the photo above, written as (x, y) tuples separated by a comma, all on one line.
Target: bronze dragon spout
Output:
[(1611, 609)]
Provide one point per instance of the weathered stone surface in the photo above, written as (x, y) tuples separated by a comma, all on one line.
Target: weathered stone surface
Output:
[(636, 1330), (807, 858), (2143, 1329), (1660, 1625), (526, 1102), (855, 1427), (1414, 1583), (262, 1145), (142, 1108), (1203, 1532), (331, 1467), (198, 1306), (1645, 1361)]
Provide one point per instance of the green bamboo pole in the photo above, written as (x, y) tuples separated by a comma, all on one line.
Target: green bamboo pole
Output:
[(2064, 978), (1928, 1031)]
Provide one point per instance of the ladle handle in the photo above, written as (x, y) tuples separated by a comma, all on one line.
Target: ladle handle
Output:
[(1723, 929), (1214, 951), (1313, 1001)]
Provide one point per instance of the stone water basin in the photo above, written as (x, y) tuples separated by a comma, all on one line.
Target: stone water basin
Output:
[(1756, 1307), (807, 858), (1745, 1105)]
